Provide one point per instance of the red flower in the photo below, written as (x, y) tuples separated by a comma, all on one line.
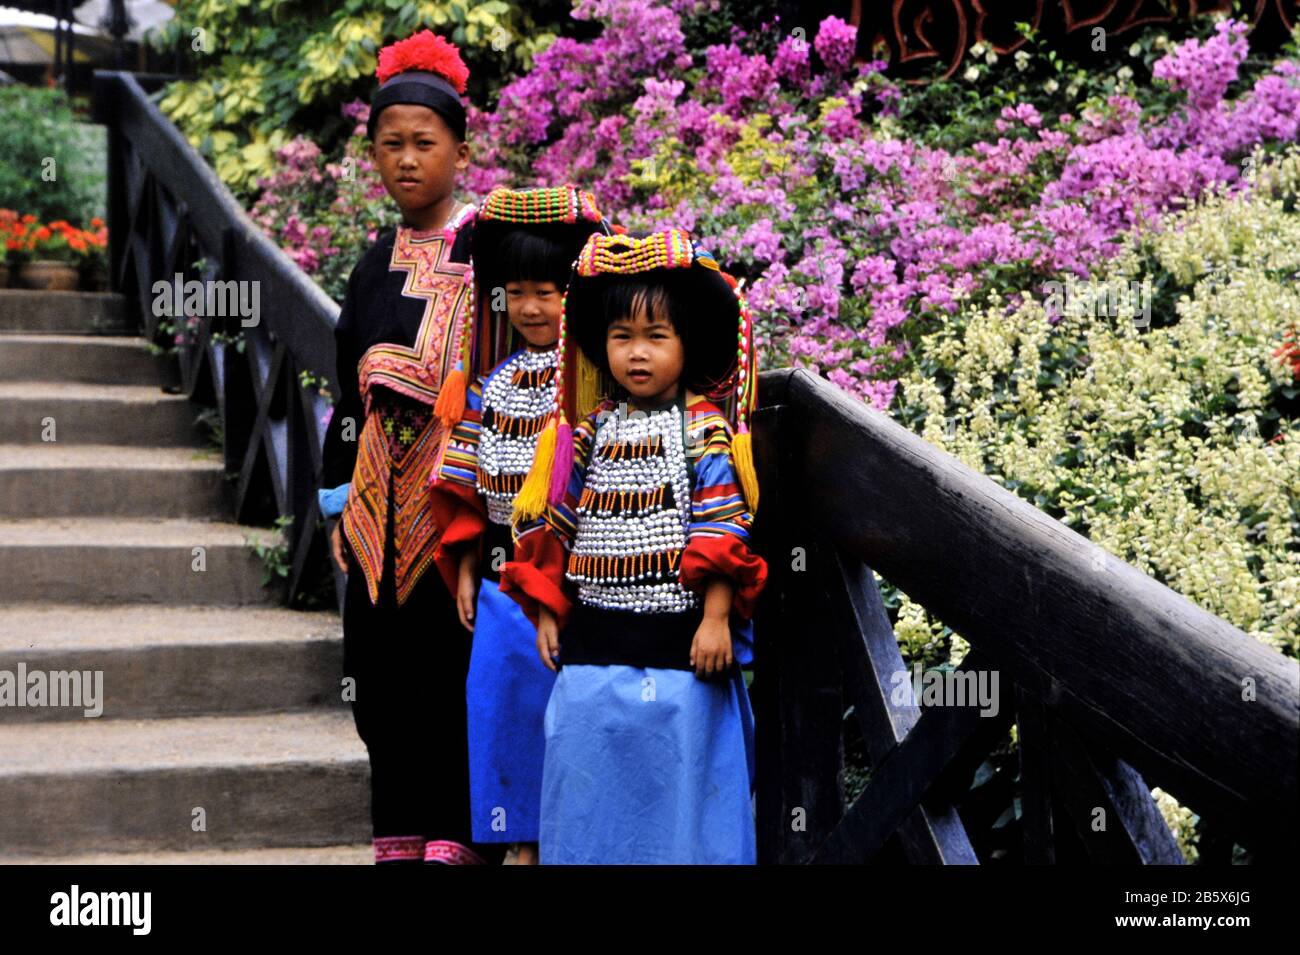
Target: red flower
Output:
[(424, 50)]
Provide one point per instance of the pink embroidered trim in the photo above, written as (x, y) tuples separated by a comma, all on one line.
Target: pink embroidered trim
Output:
[(451, 853), (389, 848)]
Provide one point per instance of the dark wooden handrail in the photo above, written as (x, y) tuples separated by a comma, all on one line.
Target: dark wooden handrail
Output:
[(168, 209), (1134, 669), (1113, 681)]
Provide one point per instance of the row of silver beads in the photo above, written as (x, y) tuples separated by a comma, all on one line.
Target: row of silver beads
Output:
[(656, 529), (511, 454)]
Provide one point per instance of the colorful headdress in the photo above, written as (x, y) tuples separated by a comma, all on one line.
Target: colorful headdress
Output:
[(562, 214), (426, 70), (723, 330)]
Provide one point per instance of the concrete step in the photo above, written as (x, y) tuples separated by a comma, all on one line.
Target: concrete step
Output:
[(64, 313), (362, 854), (63, 480), (82, 358), (295, 779), (173, 661), (137, 415), (109, 560)]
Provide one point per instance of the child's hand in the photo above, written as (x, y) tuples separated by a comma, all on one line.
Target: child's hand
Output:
[(467, 589), (711, 648), (339, 546), (548, 638)]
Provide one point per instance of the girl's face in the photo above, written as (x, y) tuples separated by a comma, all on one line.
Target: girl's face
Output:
[(534, 310), (645, 356), (417, 156)]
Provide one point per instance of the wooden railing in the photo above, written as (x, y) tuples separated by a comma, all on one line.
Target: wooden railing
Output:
[(167, 211), (1113, 682)]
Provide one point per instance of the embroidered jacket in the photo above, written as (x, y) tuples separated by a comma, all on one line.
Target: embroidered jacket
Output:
[(395, 339), (652, 512)]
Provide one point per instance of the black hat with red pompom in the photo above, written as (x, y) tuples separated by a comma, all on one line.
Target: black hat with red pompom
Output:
[(423, 70)]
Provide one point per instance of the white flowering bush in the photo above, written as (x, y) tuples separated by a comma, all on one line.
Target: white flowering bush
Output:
[(1182, 823), (1166, 435), (1172, 445)]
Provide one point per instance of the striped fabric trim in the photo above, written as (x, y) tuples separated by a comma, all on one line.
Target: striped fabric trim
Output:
[(717, 504), (448, 852), (459, 464), (365, 519), (399, 848), (445, 288)]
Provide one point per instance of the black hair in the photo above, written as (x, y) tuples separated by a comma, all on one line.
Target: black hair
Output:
[(525, 256), (697, 301), (684, 299)]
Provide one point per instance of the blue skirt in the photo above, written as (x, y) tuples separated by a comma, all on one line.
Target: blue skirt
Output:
[(505, 694), (645, 766)]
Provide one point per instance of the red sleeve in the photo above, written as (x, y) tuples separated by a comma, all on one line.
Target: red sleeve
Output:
[(461, 514), (536, 575), (724, 555)]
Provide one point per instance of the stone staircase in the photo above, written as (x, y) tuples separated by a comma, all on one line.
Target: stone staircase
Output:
[(223, 737)]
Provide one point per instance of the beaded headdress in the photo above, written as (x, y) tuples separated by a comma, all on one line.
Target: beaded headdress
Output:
[(426, 70), (564, 215), (713, 296)]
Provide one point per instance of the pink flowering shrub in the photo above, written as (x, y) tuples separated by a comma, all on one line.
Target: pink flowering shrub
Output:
[(795, 167), (325, 214), (858, 211)]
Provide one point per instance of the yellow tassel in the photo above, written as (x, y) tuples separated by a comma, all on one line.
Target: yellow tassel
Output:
[(530, 502), (742, 451), (586, 381), (450, 406)]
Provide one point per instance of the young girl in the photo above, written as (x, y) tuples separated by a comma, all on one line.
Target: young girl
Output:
[(405, 654), (524, 247), (649, 735)]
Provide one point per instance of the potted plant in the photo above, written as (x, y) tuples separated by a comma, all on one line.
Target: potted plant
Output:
[(53, 252), (9, 231), (94, 257)]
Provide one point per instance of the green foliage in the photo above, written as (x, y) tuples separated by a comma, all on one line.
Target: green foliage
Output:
[(274, 555), (269, 69), (51, 165)]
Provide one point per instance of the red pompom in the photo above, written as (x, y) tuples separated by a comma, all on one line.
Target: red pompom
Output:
[(424, 51)]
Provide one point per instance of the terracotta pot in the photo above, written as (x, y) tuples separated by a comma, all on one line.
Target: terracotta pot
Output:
[(4, 275), (49, 276)]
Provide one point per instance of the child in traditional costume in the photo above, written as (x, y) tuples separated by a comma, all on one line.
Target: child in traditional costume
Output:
[(408, 301), (524, 246), (633, 558)]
